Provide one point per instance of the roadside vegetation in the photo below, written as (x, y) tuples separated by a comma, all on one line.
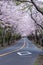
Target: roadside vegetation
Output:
[(38, 40), (39, 60), (7, 37)]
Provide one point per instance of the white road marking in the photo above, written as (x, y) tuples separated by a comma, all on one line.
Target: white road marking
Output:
[(19, 53), (24, 53)]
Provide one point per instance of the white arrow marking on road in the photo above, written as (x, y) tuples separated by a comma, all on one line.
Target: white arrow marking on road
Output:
[(24, 53), (19, 53)]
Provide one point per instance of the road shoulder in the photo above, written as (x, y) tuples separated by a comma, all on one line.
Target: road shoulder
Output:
[(39, 60)]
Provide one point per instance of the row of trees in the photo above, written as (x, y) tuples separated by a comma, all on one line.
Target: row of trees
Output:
[(37, 17), (8, 29), (7, 34), (37, 39), (36, 14)]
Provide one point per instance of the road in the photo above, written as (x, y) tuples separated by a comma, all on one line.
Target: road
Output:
[(23, 53)]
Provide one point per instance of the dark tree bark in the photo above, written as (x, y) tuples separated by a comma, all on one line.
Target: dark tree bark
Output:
[(36, 21), (36, 7)]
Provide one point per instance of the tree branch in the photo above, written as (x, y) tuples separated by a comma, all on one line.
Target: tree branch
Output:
[(36, 7), (35, 21)]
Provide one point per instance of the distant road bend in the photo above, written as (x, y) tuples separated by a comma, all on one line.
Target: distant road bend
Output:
[(23, 53)]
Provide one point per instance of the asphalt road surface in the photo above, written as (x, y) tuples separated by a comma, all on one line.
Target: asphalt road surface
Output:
[(23, 53)]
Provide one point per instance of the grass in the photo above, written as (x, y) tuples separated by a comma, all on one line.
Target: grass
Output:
[(35, 64), (39, 60)]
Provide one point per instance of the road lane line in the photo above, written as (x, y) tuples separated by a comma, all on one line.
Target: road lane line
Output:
[(13, 51)]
